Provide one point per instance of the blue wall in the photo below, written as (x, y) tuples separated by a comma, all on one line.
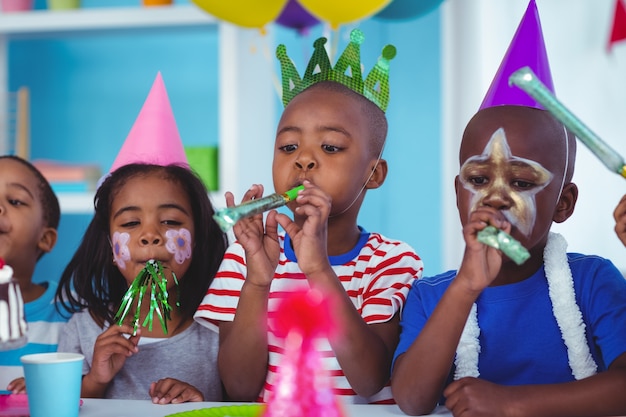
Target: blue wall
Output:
[(87, 91)]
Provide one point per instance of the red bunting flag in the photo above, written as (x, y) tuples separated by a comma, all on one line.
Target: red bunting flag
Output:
[(618, 30)]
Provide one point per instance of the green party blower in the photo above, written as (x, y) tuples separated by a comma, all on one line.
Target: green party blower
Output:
[(227, 217), (503, 241), (525, 79)]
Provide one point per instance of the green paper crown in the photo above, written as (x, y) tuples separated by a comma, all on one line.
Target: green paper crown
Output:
[(347, 71)]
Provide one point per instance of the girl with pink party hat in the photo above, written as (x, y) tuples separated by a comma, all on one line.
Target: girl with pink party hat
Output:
[(150, 208), (546, 337)]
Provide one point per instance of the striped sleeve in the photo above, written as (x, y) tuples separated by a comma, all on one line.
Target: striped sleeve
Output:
[(392, 268), (220, 301)]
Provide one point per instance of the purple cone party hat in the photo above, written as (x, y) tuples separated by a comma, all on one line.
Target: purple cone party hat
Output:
[(527, 49), (154, 138)]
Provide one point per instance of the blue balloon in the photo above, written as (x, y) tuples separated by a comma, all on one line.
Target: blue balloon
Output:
[(407, 9)]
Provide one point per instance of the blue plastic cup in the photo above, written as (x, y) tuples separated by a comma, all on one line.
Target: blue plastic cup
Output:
[(53, 383)]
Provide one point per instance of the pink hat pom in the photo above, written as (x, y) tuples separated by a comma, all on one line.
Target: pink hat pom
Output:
[(154, 138), (526, 49)]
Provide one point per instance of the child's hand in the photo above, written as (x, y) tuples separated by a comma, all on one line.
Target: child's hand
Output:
[(110, 351), (259, 241), (17, 386), (173, 391), (310, 240), (620, 220), (476, 397), (481, 263)]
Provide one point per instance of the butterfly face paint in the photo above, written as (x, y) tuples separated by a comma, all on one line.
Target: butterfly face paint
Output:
[(506, 182), (121, 253), (179, 243)]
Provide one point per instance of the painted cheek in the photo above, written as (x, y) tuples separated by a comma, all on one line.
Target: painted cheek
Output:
[(121, 251), (179, 244)]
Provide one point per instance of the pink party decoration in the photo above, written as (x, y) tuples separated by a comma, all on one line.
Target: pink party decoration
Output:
[(618, 28), (526, 49), (16, 5), (303, 387), (154, 138)]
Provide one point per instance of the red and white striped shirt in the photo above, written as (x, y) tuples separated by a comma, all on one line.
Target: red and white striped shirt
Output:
[(377, 275)]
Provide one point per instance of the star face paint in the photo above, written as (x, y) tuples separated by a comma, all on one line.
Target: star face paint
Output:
[(505, 182), (121, 253), (179, 243)]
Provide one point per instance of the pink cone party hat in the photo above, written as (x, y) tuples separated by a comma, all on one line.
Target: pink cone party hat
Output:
[(527, 49), (303, 388), (154, 138)]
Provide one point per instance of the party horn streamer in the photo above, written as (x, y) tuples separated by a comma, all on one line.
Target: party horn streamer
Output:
[(525, 79), (227, 217), (150, 279), (501, 240)]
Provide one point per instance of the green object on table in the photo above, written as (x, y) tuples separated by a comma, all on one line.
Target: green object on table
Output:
[(227, 217), (503, 241), (151, 278), (243, 410)]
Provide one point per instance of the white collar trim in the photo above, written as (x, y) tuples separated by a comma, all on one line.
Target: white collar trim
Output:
[(566, 311)]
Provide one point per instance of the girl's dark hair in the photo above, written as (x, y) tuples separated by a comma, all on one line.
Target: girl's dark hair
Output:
[(47, 197), (92, 281)]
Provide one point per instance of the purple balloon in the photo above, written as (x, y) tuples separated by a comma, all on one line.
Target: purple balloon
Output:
[(296, 17)]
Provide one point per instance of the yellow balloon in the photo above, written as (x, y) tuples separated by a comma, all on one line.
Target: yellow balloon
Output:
[(337, 12), (246, 13)]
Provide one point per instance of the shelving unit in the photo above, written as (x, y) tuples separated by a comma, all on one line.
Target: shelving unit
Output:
[(246, 98), (73, 22)]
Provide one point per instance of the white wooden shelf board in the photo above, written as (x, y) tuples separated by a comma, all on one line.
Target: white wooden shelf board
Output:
[(45, 22)]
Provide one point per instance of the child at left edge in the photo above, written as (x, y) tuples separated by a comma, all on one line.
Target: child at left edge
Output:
[(619, 214), (151, 206), (29, 217), (330, 139)]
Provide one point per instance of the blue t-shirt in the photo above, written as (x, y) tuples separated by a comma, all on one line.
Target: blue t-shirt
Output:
[(519, 336), (44, 326)]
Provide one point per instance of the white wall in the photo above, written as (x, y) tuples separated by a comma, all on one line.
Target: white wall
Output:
[(590, 81)]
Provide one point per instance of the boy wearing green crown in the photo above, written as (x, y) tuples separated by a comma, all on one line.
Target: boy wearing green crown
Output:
[(329, 139)]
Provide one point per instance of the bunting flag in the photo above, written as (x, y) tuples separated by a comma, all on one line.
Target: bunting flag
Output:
[(618, 29)]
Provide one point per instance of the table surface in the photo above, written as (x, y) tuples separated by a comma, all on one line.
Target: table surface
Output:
[(143, 408), (138, 408)]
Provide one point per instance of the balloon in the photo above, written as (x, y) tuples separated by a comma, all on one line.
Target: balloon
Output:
[(296, 17), (337, 12), (246, 13), (407, 9)]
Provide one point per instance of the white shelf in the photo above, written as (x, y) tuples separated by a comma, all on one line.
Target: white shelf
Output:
[(246, 96), (37, 23), (76, 203), (82, 203)]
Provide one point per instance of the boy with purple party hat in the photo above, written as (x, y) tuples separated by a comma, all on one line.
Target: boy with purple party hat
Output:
[(544, 338)]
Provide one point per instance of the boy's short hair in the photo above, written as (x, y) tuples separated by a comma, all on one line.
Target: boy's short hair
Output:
[(376, 119), (47, 197)]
